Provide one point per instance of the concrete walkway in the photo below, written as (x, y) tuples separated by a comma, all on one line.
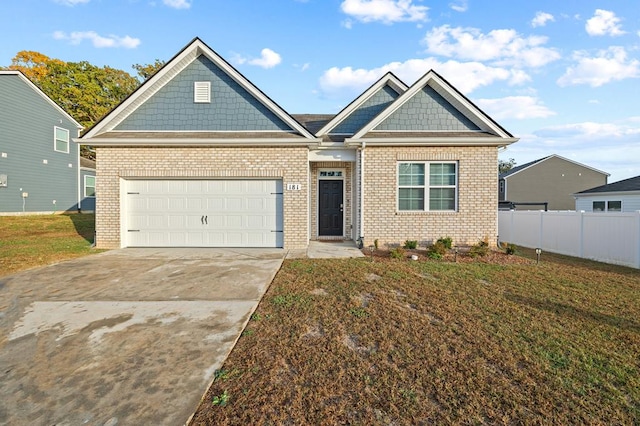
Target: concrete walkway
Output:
[(326, 250), (124, 337)]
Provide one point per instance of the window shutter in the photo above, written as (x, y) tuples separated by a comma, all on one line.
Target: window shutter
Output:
[(202, 92)]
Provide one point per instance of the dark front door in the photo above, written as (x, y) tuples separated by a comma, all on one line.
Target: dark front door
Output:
[(330, 208)]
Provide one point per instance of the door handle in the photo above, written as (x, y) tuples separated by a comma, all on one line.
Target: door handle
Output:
[(206, 220)]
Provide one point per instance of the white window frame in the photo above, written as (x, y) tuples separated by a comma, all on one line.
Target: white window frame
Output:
[(427, 186), (614, 201), (90, 186), (606, 206), (200, 88), (55, 139)]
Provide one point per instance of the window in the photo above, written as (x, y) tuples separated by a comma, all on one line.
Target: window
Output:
[(427, 186), (61, 143), (89, 186), (202, 92), (607, 206), (614, 206)]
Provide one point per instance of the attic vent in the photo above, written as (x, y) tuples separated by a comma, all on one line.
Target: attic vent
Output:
[(202, 91)]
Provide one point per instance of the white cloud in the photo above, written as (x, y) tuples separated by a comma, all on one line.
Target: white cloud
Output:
[(604, 22), (76, 37), (70, 2), (460, 6), (597, 145), (385, 11), (609, 65), (268, 59), (505, 47), (465, 76), (177, 4), (515, 107), (541, 19)]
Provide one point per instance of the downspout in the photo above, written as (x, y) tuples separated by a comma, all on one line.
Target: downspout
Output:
[(361, 239), (78, 183)]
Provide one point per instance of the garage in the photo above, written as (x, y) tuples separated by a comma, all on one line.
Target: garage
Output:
[(202, 213)]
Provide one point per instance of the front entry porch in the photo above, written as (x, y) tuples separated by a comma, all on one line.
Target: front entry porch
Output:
[(331, 213)]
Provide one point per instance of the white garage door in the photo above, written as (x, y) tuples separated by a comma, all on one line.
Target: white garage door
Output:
[(203, 213)]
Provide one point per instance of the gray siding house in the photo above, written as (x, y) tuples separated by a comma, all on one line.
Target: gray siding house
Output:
[(40, 168), (552, 180), (621, 196)]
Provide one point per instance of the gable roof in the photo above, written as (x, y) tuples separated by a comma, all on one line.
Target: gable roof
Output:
[(171, 69), (626, 185), (488, 128), (522, 167), (44, 96), (387, 80)]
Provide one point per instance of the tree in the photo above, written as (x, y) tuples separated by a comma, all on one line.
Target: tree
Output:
[(33, 65), (505, 166), (146, 71), (84, 91)]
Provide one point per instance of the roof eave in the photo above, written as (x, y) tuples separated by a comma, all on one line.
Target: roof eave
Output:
[(605, 193), (432, 141), (217, 142)]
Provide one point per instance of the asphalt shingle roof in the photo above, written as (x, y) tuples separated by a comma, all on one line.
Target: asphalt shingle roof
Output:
[(631, 184), (516, 169)]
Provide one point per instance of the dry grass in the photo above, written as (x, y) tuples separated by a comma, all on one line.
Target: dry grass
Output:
[(355, 341), (36, 240)]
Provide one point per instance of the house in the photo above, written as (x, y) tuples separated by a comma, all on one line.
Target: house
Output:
[(621, 196), (40, 169), (199, 156), (552, 180)]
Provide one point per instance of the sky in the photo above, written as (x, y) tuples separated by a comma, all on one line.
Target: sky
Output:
[(563, 76)]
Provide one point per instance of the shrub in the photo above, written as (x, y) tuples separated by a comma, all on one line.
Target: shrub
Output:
[(397, 253), (480, 249), (375, 243), (437, 250), (447, 241), (411, 244), (510, 249), (434, 255)]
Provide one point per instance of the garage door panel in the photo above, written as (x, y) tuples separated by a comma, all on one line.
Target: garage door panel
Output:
[(204, 213)]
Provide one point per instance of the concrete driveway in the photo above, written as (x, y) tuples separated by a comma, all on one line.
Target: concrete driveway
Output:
[(129, 336)]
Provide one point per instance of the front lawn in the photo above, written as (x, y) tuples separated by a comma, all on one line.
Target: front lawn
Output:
[(37, 240), (356, 341)]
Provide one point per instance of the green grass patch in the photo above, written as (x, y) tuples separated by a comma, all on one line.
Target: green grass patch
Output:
[(30, 241)]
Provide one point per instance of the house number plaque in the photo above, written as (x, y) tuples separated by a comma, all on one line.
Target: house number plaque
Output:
[(294, 187)]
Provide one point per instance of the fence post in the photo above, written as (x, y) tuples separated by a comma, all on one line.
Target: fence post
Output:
[(541, 233), (581, 213)]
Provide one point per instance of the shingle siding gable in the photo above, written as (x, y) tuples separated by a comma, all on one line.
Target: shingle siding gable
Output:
[(427, 110), (232, 108), (367, 111)]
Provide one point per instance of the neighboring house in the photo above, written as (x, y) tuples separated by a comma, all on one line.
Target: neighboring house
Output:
[(39, 163), (87, 185), (552, 180), (621, 196), (199, 156)]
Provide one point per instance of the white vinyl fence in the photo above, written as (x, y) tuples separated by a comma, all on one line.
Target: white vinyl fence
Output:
[(606, 237)]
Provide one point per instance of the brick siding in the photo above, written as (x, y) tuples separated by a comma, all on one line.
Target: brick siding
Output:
[(477, 213)]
